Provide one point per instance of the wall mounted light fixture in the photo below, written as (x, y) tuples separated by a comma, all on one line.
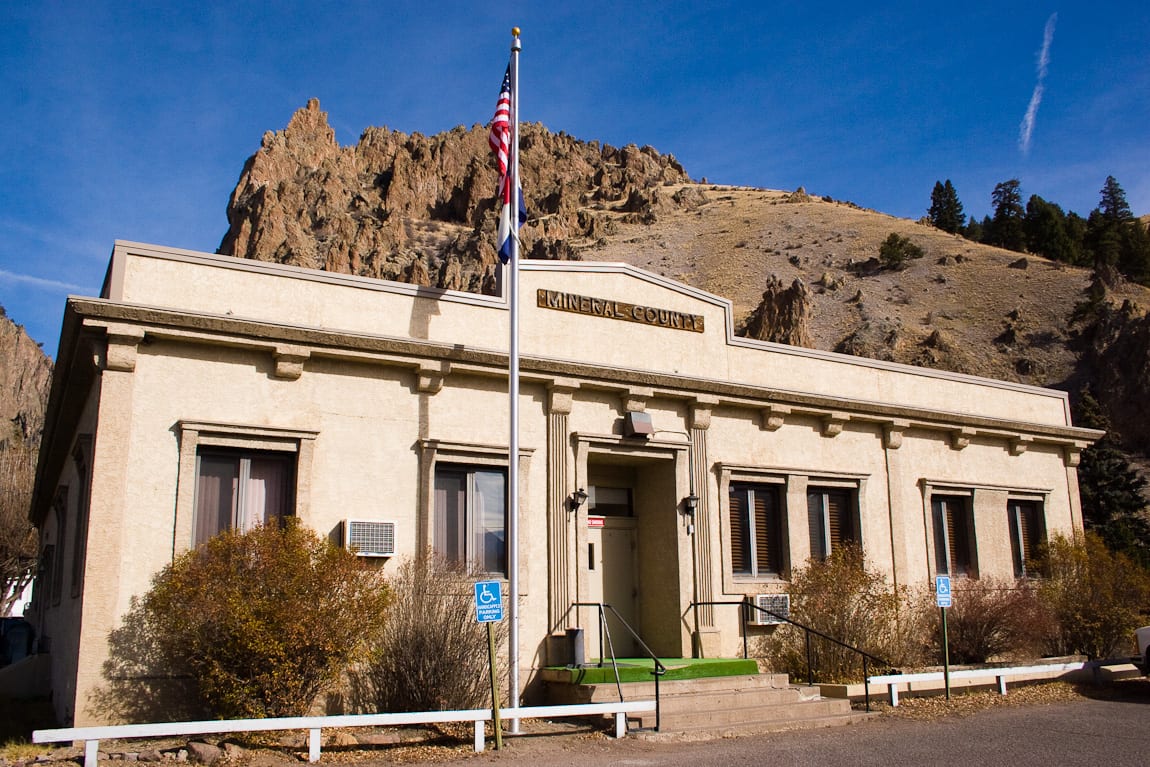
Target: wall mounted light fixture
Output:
[(577, 499)]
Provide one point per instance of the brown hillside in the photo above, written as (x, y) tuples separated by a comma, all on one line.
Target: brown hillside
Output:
[(421, 209)]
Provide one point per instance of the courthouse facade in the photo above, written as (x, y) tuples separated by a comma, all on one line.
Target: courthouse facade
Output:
[(663, 461)]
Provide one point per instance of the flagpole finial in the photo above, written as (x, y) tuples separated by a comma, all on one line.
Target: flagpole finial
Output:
[(515, 31)]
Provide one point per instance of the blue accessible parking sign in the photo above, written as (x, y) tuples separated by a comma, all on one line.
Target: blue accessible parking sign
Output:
[(488, 602), (942, 590)]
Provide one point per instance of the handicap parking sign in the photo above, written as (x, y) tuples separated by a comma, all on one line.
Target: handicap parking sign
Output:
[(488, 602), (942, 590)]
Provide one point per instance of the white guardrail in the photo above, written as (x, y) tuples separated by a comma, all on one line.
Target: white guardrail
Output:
[(1000, 675), (91, 736)]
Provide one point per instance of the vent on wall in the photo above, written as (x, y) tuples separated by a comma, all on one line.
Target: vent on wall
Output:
[(778, 604), (369, 538)]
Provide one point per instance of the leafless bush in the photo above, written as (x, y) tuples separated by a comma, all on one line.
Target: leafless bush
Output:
[(996, 620), (841, 598), (432, 655), (17, 536)]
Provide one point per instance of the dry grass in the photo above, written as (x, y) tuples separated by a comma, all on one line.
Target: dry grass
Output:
[(731, 244)]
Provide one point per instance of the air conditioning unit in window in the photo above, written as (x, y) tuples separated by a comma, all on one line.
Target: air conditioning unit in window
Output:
[(369, 538), (779, 604)]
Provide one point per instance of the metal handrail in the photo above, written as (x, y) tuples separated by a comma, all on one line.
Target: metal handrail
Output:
[(605, 633), (746, 603)]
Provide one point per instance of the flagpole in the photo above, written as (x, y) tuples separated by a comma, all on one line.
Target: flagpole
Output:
[(513, 397)]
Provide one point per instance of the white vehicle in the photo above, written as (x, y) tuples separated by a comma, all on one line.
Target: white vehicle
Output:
[(1142, 636)]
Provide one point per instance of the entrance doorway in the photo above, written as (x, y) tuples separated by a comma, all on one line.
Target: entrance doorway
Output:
[(612, 570), (630, 555)]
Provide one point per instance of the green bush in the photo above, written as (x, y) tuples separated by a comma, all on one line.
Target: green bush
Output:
[(896, 250), (841, 598), (263, 621), (992, 619), (1098, 597), (432, 655)]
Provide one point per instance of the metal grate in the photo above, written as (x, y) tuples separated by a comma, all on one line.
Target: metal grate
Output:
[(370, 539)]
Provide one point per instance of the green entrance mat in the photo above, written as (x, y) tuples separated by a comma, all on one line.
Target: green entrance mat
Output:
[(639, 670)]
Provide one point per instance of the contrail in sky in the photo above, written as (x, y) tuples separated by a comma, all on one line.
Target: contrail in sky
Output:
[(1027, 126), (40, 282)]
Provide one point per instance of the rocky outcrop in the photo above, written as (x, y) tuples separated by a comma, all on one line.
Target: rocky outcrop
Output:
[(422, 208), (25, 375), (783, 314), (1116, 358)]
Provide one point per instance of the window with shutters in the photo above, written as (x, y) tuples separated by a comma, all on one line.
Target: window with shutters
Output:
[(954, 535), (756, 529), (832, 517), (1027, 532)]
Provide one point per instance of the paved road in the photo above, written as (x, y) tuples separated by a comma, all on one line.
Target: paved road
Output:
[(1087, 732)]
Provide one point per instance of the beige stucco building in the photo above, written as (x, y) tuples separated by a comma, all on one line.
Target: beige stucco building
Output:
[(203, 391)]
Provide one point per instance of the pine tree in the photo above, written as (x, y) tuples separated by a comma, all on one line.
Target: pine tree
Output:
[(1113, 504), (1045, 226), (945, 209), (1114, 207), (1005, 229), (1115, 239)]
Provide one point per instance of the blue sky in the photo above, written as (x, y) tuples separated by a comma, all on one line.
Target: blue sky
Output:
[(132, 120)]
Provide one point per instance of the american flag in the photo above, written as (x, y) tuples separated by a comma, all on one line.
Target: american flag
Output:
[(500, 137), (499, 140)]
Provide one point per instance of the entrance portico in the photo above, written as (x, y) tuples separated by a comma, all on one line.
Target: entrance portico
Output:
[(634, 549)]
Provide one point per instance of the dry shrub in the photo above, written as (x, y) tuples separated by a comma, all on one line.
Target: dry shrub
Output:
[(433, 654), (1097, 596), (839, 597), (262, 621), (996, 620)]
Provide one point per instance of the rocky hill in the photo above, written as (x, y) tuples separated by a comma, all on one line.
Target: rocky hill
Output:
[(25, 376), (799, 269), (25, 372)]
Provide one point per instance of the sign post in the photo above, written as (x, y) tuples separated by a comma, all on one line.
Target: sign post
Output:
[(489, 610), (943, 597)]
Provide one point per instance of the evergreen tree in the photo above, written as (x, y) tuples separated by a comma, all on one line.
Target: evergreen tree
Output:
[(1005, 229), (1046, 231), (1114, 207), (1115, 239), (945, 209), (1076, 232), (1113, 504), (975, 230)]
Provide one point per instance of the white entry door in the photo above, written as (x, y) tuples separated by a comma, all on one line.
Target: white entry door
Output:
[(611, 571)]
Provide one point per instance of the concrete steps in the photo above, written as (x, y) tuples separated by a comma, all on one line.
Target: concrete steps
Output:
[(717, 706)]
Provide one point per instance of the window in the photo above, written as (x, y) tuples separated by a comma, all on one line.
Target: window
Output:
[(953, 535), (833, 519), (756, 530), (1026, 533), (241, 490), (609, 501), (471, 517), (80, 455), (55, 573)]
